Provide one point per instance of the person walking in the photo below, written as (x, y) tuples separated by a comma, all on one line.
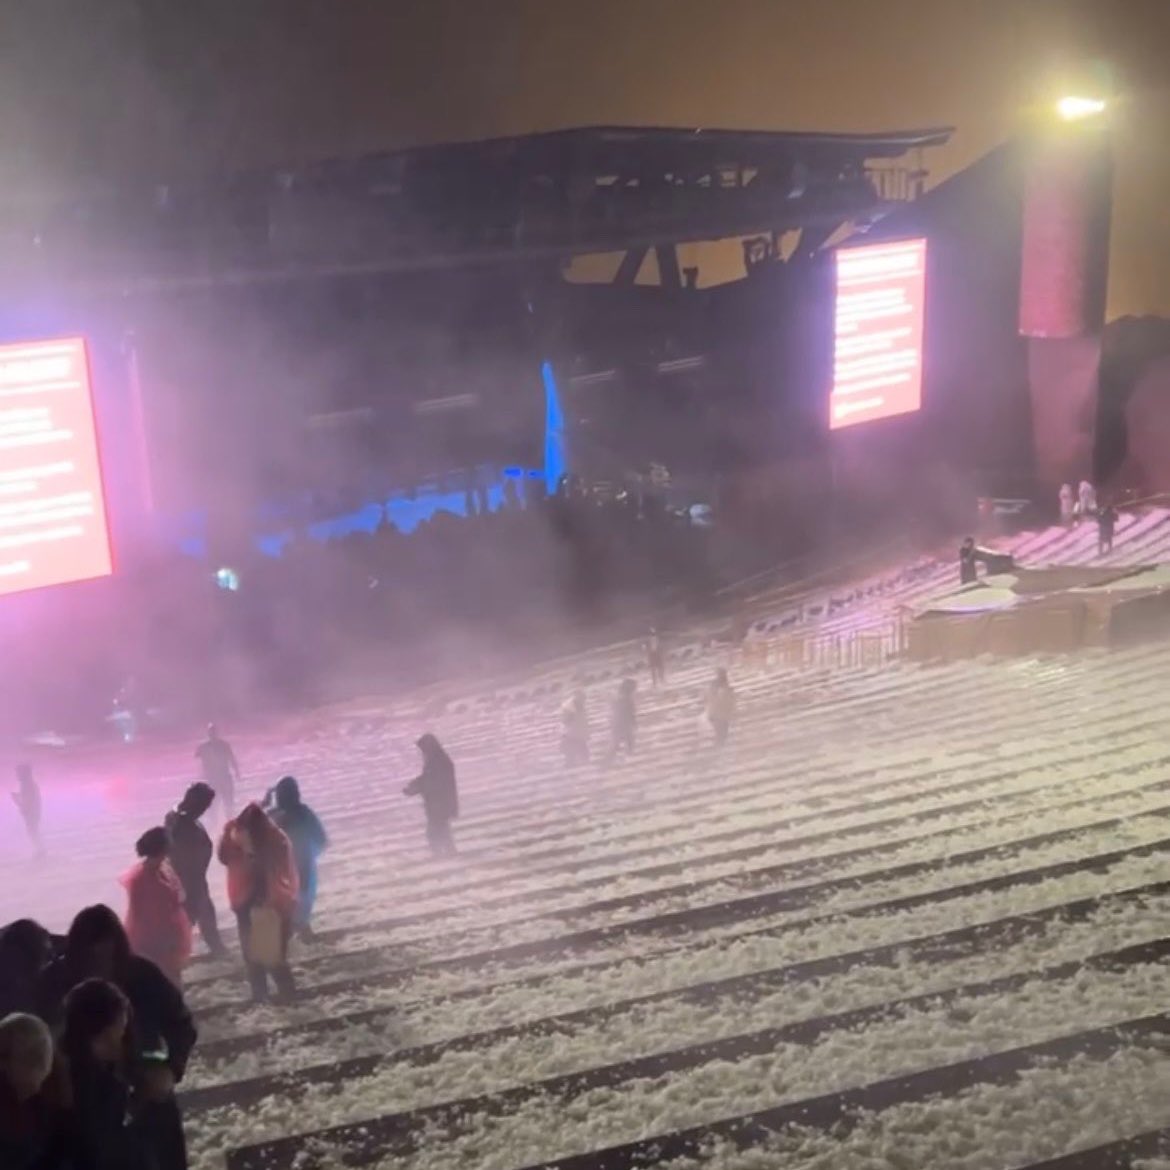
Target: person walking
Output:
[(161, 1036), (301, 825), (191, 854), (262, 890), (27, 799), (440, 794), (721, 704), (220, 769), (156, 922)]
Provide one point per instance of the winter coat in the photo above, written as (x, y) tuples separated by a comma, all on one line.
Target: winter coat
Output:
[(160, 1020), (267, 877), (191, 851), (156, 924), (436, 785), (307, 837), (101, 1105), (31, 1134)]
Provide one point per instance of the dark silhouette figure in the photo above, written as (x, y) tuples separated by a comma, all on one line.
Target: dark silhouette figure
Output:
[(161, 1035), (220, 769), (109, 1135), (191, 854), (26, 948), (440, 795), (301, 825), (968, 556), (1106, 524), (27, 799)]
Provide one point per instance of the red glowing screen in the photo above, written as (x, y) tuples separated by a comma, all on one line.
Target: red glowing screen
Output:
[(877, 355), (53, 525)]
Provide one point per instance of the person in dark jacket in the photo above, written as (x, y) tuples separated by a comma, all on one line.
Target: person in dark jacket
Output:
[(191, 853), (306, 834), (25, 950), (968, 557), (161, 1033), (96, 1022), (31, 1136), (1106, 525), (440, 795)]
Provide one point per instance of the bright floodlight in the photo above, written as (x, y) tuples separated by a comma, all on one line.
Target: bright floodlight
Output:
[(1073, 109)]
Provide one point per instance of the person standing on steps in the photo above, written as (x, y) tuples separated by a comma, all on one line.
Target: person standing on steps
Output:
[(156, 923), (191, 854), (440, 795), (220, 769), (301, 825), (968, 557), (262, 890), (27, 799), (721, 705), (1106, 524)]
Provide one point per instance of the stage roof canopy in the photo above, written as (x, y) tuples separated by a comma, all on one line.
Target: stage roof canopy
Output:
[(540, 196)]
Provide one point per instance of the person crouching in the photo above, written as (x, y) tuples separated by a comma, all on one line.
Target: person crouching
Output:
[(262, 889)]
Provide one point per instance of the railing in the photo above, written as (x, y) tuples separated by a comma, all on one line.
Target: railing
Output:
[(808, 650)]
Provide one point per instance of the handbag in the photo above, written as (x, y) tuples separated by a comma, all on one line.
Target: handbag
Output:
[(266, 938)]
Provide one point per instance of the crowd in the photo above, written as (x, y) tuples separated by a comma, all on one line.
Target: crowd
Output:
[(95, 1033)]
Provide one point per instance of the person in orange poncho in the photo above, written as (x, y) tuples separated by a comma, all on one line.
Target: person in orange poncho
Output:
[(261, 880), (156, 923)]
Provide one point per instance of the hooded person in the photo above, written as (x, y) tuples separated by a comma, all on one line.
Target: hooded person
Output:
[(191, 854), (156, 922), (440, 794), (301, 825), (161, 1035), (26, 948), (263, 891), (107, 1134)]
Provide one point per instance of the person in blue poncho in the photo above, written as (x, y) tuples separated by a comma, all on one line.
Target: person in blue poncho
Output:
[(307, 836)]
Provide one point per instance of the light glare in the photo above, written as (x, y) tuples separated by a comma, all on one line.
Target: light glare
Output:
[(1073, 109)]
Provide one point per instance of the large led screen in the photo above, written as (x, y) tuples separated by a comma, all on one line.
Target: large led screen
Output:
[(877, 354), (53, 526)]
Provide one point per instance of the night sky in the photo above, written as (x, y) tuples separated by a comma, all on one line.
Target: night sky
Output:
[(153, 88)]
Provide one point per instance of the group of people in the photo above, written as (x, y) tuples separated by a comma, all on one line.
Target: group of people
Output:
[(719, 710), (94, 1030), (1084, 505), (93, 1040)]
